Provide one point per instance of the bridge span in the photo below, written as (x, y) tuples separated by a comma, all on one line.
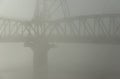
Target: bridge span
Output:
[(94, 28), (42, 31)]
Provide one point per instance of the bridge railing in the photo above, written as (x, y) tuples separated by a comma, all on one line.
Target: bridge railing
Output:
[(95, 27)]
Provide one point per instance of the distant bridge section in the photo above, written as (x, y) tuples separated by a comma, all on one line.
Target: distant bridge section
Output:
[(93, 28)]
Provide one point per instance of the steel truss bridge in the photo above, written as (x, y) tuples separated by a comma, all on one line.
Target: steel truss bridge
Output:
[(69, 29), (52, 23), (89, 28)]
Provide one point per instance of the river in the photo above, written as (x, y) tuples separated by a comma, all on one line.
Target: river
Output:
[(66, 61)]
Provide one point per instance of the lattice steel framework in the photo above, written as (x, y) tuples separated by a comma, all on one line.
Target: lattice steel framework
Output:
[(52, 20)]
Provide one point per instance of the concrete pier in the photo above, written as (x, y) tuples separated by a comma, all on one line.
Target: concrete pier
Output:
[(40, 50)]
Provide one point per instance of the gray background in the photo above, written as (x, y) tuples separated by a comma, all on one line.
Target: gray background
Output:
[(67, 61)]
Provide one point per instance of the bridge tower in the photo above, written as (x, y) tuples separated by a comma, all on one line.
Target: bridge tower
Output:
[(44, 10)]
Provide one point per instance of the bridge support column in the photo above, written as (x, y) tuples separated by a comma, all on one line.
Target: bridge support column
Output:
[(40, 58)]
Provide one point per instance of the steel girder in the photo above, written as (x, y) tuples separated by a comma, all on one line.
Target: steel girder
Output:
[(68, 28)]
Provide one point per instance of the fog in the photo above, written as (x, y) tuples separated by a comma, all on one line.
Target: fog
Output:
[(25, 8), (65, 61)]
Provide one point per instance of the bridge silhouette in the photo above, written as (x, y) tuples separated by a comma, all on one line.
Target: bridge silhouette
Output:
[(45, 28), (96, 28)]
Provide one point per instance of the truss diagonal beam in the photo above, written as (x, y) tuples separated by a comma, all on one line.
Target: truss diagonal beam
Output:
[(105, 27)]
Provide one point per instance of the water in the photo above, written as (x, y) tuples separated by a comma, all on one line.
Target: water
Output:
[(66, 61)]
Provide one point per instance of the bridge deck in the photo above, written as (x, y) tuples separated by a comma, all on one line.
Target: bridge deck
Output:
[(62, 39), (94, 28)]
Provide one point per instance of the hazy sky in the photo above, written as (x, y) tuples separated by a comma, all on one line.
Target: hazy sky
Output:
[(81, 7), (71, 58), (24, 8)]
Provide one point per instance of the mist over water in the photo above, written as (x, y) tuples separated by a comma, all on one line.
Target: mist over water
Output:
[(66, 61)]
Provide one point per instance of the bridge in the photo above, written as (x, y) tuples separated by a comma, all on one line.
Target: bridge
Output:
[(45, 28), (93, 28)]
